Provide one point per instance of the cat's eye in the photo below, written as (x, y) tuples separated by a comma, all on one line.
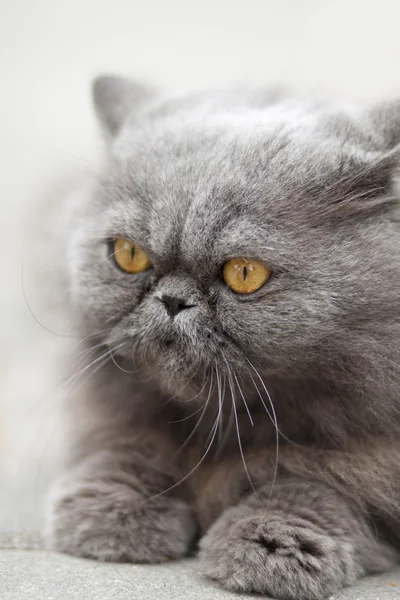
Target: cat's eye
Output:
[(129, 257), (245, 275)]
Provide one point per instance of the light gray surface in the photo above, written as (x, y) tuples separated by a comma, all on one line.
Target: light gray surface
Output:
[(46, 576), (34, 575)]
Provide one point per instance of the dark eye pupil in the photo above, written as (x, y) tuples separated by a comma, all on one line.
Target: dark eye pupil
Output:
[(132, 253), (244, 273)]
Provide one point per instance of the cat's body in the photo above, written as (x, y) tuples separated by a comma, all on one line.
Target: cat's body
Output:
[(268, 422)]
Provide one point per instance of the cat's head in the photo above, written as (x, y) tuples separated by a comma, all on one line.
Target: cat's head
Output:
[(302, 190)]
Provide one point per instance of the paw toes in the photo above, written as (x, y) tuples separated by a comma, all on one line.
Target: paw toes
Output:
[(267, 556)]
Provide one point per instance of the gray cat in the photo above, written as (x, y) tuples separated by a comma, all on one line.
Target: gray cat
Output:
[(235, 270)]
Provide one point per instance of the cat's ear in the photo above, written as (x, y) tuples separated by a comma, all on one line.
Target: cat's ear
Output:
[(115, 98), (370, 186), (373, 181), (384, 120)]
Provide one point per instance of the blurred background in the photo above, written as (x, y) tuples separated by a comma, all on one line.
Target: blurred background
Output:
[(49, 52)]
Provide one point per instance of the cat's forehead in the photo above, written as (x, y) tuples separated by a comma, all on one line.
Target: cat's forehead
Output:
[(226, 161), (187, 152), (188, 182)]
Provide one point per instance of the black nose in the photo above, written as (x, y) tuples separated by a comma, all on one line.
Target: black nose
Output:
[(174, 305)]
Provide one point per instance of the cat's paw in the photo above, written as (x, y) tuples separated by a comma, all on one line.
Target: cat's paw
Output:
[(279, 555), (111, 522)]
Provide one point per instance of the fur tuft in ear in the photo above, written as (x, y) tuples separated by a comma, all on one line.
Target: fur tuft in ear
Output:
[(115, 98)]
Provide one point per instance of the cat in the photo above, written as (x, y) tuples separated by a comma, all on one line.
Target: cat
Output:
[(235, 272)]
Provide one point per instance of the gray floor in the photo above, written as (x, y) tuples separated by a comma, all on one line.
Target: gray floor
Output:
[(34, 575)]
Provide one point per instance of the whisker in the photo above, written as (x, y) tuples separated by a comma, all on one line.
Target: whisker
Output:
[(195, 428), (84, 369), (228, 429), (196, 412), (107, 257), (117, 365), (104, 360), (274, 421), (217, 414), (215, 428), (244, 400), (282, 435), (262, 400), (190, 400), (175, 396), (83, 353), (221, 398), (238, 432), (62, 399), (63, 335), (89, 336), (93, 169), (139, 369)]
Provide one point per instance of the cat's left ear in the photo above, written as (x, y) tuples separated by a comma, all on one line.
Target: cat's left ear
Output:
[(115, 98), (369, 182), (384, 120), (380, 173)]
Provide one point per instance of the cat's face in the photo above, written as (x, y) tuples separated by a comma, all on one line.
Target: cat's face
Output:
[(193, 186)]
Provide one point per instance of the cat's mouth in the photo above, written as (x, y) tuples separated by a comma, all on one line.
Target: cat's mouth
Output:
[(195, 369), (182, 355)]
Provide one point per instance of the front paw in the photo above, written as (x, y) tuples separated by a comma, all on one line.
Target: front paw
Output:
[(111, 522), (276, 554)]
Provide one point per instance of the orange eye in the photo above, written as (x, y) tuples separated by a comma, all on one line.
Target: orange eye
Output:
[(129, 257), (245, 275)]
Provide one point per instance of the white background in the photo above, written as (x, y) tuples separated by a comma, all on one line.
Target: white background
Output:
[(50, 50)]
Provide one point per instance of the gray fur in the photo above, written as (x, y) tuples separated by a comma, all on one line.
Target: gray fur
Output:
[(306, 186), (308, 540)]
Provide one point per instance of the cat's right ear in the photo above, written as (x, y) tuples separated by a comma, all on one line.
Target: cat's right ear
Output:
[(115, 98)]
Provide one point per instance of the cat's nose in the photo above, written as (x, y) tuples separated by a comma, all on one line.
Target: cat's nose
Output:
[(174, 305)]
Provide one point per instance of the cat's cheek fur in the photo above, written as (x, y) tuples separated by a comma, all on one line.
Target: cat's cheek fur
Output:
[(111, 522)]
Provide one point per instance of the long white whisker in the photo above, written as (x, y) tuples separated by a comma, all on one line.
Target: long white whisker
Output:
[(238, 432), (84, 369), (107, 257), (215, 429), (221, 399), (219, 409), (185, 443), (196, 411), (175, 398), (119, 366), (274, 420), (138, 369), (101, 360), (244, 400), (89, 336), (282, 435), (83, 353), (63, 335)]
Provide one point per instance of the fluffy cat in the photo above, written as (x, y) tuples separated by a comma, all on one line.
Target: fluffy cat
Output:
[(235, 273)]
